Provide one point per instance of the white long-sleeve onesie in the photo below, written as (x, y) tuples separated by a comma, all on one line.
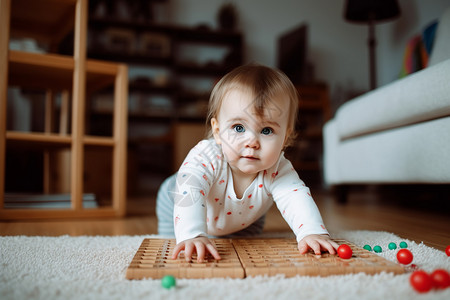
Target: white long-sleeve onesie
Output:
[(206, 203)]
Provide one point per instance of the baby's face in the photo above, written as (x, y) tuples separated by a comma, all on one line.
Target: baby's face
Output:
[(251, 143)]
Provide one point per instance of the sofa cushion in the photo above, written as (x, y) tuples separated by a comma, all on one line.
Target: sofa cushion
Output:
[(411, 154), (419, 97)]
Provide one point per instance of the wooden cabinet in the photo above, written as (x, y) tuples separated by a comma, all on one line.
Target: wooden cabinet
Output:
[(72, 78), (306, 153)]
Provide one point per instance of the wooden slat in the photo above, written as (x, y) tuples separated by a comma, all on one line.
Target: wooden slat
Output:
[(98, 141), (56, 139), (64, 113), (78, 104), (55, 71), (102, 67), (51, 61), (5, 6), (120, 129), (33, 137), (48, 128)]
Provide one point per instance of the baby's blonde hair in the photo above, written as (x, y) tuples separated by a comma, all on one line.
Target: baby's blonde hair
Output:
[(264, 83)]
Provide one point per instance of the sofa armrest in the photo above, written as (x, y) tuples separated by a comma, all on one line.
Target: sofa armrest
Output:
[(419, 97)]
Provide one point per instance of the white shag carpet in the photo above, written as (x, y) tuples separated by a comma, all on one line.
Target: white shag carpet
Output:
[(89, 267)]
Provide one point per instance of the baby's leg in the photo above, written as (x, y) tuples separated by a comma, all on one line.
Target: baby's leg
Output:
[(164, 206)]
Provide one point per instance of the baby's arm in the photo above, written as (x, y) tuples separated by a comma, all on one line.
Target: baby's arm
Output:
[(201, 244), (317, 242), (194, 180), (298, 208)]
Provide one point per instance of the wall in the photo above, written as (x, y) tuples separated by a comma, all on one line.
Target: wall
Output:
[(337, 49), (416, 15)]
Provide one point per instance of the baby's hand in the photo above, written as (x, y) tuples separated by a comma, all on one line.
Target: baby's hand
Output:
[(201, 244), (317, 242)]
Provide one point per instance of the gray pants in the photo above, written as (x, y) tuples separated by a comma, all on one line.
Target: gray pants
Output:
[(164, 212)]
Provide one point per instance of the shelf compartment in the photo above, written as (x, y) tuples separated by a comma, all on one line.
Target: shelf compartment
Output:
[(182, 33), (39, 19), (34, 70), (55, 71), (212, 37), (131, 58)]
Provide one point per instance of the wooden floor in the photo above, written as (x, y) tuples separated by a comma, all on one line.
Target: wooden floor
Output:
[(409, 214)]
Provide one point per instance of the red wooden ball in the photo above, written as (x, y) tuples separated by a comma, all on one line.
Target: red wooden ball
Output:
[(421, 281), (404, 256), (447, 250), (344, 251), (440, 278)]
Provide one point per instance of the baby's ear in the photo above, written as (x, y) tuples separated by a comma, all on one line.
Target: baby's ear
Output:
[(215, 130), (286, 138)]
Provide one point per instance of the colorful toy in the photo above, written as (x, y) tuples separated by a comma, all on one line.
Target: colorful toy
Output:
[(404, 256), (440, 278), (421, 281), (367, 247), (344, 251), (377, 249), (253, 257), (168, 281), (392, 246)]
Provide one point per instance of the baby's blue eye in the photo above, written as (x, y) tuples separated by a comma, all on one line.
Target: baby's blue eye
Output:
[(239, 128), (267, 131)]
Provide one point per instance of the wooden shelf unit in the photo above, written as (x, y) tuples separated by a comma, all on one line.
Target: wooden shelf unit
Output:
[(314, 111), (185, 101), (50, 21)]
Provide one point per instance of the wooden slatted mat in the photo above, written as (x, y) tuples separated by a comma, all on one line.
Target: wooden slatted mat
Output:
[(153, 260), (252, 257), (281, 256)]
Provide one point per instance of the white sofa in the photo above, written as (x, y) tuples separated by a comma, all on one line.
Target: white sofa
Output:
[(398, 133)]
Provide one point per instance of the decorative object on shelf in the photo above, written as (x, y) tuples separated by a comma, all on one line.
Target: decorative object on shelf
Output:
[(120, 40), (227, 16), (142, 10), (154, 44), (122, 10), (371, 12), (26, 44)]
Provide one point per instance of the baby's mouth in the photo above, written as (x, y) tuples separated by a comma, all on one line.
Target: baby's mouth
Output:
[(250, 157)]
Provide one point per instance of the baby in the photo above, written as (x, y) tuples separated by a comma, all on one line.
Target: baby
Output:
[(229, 181)]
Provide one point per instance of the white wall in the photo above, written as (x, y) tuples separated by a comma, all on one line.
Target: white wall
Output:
[(337, 49)]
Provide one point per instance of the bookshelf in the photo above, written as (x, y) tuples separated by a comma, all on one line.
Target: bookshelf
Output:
[(74, 77)]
